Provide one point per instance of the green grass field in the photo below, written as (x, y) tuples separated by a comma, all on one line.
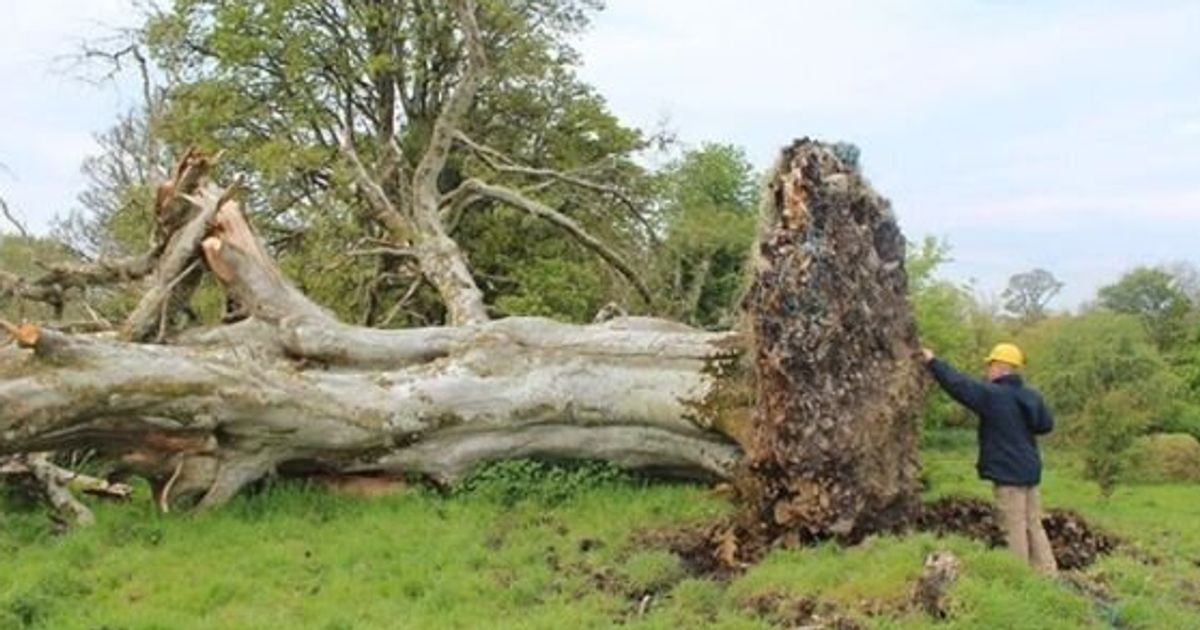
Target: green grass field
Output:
[(296, 557)]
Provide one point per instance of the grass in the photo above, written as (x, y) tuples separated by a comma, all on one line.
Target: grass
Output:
[(298, 557)]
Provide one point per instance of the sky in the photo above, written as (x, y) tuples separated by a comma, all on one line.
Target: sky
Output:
[(1054, 134)]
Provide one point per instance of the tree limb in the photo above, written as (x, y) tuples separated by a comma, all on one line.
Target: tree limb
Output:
[(501, 163), (516, 200), (4, 209), (145, 322), (444, 128), (383, 210)]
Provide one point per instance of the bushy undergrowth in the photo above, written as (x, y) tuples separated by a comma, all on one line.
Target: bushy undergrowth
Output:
[(1165, 457), (510, 481)]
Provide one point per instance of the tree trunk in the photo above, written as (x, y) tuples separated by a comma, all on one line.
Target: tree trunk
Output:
[(292, 390)]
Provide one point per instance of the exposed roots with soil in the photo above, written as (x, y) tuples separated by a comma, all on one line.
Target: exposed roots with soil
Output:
[(833, 448), (1076, 544)]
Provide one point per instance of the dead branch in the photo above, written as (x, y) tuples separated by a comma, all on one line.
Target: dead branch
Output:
[(181, 251), (171, 208), (4, 209)]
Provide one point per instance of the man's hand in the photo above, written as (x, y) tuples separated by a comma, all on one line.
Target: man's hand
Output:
[(927, 356)]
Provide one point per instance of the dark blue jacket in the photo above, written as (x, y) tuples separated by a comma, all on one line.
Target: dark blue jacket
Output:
[(1010, 415)]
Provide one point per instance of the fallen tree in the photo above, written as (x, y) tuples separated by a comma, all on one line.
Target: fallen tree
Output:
[(286, 388), (291, 390)]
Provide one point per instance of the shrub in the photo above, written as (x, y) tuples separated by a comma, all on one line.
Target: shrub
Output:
[(1165, 457), (1107, 429), (1181, 417), (512, 481), (1077, 362)]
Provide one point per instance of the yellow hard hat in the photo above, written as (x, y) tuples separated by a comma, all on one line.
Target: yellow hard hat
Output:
[(1007, 353)]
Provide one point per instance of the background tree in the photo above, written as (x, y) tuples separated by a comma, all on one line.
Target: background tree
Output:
[(386, 124), (1152, 295), (951, 320), (1028, 294), (20, 257), (1107, 383), (1186, 277), (709, 200)]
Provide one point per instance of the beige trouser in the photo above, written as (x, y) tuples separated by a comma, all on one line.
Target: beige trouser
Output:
[(1021, 517)]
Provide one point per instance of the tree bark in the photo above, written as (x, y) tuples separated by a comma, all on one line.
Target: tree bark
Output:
[(293, 391)]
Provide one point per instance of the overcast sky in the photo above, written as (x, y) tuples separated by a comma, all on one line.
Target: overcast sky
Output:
[(1028, 133)]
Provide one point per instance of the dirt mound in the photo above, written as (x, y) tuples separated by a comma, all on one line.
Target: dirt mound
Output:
[(714, 552), (973, 518), (1076, 543)]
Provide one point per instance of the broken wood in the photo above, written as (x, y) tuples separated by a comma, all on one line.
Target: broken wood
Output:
[(937, 577), (58, 485)]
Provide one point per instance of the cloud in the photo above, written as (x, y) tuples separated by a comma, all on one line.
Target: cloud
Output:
[(1056, 212)]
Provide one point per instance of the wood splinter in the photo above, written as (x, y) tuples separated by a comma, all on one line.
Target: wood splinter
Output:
[(26, 335)]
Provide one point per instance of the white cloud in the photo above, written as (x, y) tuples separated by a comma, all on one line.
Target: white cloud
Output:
[(1058, 211)]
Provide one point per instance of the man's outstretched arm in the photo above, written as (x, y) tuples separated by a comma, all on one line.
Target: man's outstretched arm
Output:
[(966, 390)]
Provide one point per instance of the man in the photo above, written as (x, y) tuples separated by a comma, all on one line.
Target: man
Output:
[(1010, 416)]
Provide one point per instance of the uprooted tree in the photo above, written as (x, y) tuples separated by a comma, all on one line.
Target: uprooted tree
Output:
[(290, 390), (285, 388)]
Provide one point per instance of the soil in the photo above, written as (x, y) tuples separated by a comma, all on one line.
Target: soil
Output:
[(789, 611), (1076, 543), (713, 553)]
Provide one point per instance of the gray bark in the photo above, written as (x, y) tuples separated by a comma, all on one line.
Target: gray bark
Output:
[(293, 390), (436, 401)]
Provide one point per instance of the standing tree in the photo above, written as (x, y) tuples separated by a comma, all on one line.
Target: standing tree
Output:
[(1028, 294), (710, 210), (416, 129), (1152, 295), (1186, 278)]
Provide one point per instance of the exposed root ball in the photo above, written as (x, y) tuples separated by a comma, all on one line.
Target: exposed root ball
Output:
[(834, 450)]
